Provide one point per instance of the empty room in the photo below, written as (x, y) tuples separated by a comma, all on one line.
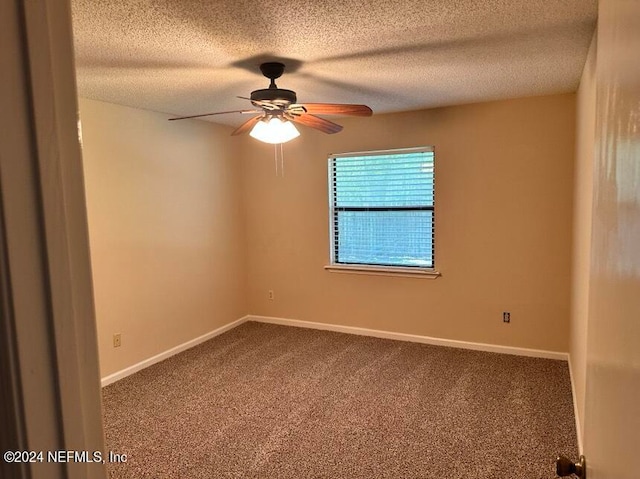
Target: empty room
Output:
[(326, 239)]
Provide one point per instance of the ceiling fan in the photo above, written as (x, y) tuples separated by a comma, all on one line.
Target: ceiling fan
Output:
[(276, 109)]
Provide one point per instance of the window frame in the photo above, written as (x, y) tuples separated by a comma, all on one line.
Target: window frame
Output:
[(368, 268)]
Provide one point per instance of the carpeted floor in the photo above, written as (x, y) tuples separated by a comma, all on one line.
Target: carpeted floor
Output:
[(270, 402)]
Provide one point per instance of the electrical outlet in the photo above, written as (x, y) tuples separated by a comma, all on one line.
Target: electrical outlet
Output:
[(117, 340), (506, 317), (271, 295)]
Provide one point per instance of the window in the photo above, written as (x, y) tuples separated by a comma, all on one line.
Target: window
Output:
[(382, 209)]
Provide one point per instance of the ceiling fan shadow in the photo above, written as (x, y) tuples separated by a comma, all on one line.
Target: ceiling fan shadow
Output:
[(351, 87), (252, 64), (503, 39)]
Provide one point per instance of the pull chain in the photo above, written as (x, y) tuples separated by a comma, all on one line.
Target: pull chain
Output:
[(279, 152), (281, 160), (275, 156)]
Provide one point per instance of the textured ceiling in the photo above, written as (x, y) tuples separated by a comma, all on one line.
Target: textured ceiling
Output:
[(187, 56)]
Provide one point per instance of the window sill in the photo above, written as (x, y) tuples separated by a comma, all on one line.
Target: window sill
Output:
[(384, 271)]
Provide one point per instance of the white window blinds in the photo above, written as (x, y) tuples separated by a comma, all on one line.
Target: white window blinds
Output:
[(382, 208)]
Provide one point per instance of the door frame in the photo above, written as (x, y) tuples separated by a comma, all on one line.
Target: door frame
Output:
[(49, 357)]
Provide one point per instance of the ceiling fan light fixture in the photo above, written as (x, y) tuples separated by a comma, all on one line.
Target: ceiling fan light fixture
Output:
[(274, 131)]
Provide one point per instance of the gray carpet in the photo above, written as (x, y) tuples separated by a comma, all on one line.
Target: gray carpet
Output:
[(269, 402)]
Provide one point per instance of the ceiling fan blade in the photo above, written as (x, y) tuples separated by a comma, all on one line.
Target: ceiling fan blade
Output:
[(264, 104), (335, 109), (247, 125), (316, 122), (216, 113)]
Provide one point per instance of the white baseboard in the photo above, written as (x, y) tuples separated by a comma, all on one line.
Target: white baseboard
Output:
[(452, 343), (575, 408), (112, 378)]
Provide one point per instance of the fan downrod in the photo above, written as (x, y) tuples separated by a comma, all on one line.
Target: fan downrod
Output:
[(272, 70)]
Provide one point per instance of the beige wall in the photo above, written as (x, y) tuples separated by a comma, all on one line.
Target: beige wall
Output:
[(582, 219), (166, 229), (503, 226), (190, 228)]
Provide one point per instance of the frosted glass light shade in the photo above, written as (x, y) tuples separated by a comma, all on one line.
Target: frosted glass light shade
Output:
[(274, 131)]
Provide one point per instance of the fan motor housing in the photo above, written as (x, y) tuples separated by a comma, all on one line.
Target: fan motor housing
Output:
[(274, 94)]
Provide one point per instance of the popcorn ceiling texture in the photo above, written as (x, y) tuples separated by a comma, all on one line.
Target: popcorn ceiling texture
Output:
[(264, 401), (192, 56)]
